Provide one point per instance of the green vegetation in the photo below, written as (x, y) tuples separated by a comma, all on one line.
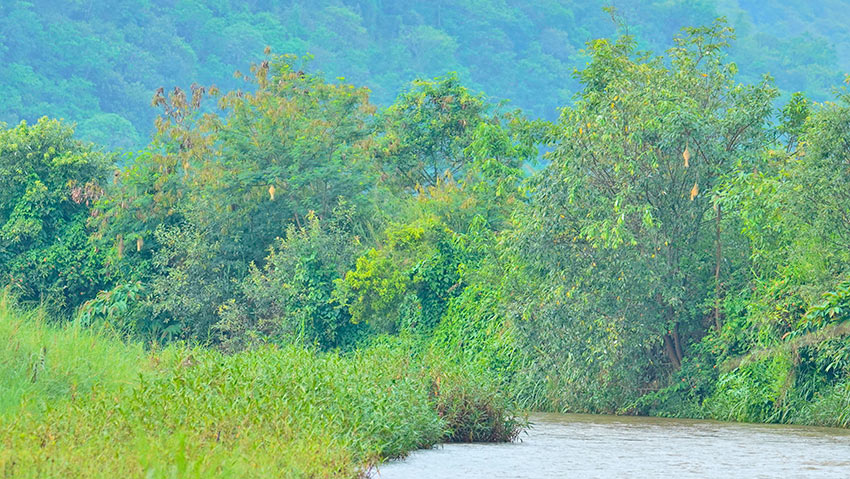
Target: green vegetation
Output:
[(683, 254), (81, 404), (49, 182), (289, 280), (525, 51)]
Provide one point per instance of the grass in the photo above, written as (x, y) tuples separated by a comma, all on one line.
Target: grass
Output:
[(79, 404), (830, 408), (39, 364)]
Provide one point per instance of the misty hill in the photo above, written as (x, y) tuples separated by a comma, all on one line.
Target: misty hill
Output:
[(98, 62)]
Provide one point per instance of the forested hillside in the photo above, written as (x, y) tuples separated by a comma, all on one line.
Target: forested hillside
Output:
[(97, 62)]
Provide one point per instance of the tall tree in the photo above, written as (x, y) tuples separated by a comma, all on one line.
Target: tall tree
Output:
[(620, 229), (216, 189)]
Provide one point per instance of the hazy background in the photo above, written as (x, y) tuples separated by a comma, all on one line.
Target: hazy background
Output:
[(97, 62)]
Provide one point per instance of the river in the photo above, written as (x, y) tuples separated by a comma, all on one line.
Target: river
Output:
[(590, 446)]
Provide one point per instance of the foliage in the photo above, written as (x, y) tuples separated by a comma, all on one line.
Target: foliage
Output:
[(423, 258), (405, 284), (474, 330), (471, 404), (834, 308), (215, 190), (618, 231), (48, 181), (425, 133), (291, 298), (753, 390), (784, 357), (97, 63), (193, 412), (119, 309)]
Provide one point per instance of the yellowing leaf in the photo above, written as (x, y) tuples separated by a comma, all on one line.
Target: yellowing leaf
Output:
[(687, 156), (694, 191)]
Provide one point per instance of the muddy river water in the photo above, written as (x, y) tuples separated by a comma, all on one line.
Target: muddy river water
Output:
[(590, 446)]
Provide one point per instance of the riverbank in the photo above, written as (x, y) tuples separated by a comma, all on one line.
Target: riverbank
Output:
[(78, 404), (75, 403)]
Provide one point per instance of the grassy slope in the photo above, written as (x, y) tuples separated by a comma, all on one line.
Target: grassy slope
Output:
[(76, 404)]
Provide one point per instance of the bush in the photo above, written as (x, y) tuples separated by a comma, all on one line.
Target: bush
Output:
[(471, 402)]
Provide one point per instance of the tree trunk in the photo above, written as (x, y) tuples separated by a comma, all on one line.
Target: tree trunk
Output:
[(718, 258), (670, 350), (677, 343), (672, 344)]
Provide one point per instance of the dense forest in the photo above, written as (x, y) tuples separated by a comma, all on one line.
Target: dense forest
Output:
[(123, 50), (301, 276)]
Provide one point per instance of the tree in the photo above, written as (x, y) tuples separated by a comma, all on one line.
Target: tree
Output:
[(48, 183), (435, 238), (618, 231), (215, 190), (291, 297), (424, 134)]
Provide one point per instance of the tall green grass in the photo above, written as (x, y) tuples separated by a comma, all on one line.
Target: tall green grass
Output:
[(77, 404), (39, 364)]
